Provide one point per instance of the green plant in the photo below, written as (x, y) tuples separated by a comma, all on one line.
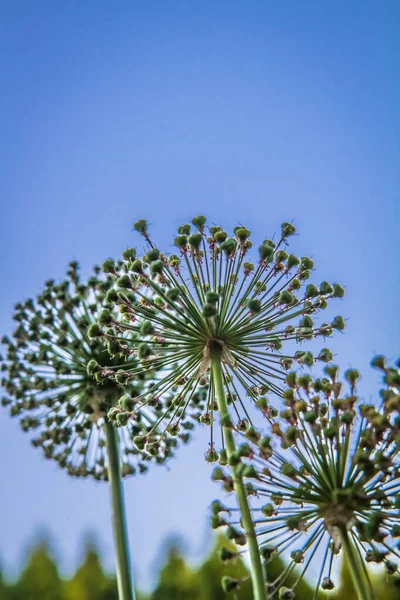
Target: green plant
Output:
[(334, 483), (55, 382), (212, 325)]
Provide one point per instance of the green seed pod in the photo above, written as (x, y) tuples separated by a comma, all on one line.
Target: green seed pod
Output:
[(338, 291), (229, 584), (92, 367), (307, 321), (129, 254), (173, 294), (327, 584), (184, 229), (352, 376), (124, 281), (306, 263), (112, 414), (243, 425), (285, 297), (287, 229), (144, 351), (109, 266), (242, 233), (244, 450), (140, 441), (304, 274), (151, 255), (248, 268), (227, 555), (220, 235), (262, 403), (253, 435), (338, 323), (216, 522), (218, 474), (235, 534), (195, 240), (311, 291), (281, 255), (174, 429), (379, 362), (325, 288), (111, 297), (212, 456), (147, 328), (105, 317), (209, 310), (212, 297), (217, 507), (291, 379), (325, 355), (288, 470), (254, 305), (122, 419), (286, 594), (156, 267), (268, 510), (126, 403), (347, 417), (297, 556), (199, 222), (181, 241), (206, 419), (292, 261), (94, 331), (229, 247), (141, 226), (266, 252), (121, 377)]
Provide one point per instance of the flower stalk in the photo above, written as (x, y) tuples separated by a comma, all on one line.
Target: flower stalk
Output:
[(356, 568), (124, 575), (257, 574)]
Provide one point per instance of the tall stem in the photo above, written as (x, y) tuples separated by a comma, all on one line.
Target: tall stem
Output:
[(356, 568), (257, 574), (124, 576)]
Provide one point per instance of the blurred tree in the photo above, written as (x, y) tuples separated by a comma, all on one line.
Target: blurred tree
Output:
[(4, 588), (40, 579), (177, 581), (90, 582)]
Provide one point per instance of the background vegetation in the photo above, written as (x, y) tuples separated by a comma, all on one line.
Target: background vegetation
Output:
[(40, 579)]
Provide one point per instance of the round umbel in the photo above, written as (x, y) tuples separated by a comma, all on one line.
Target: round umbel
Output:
[(216, 327)]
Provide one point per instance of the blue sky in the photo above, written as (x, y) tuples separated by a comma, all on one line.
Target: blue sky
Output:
[(254, 112)]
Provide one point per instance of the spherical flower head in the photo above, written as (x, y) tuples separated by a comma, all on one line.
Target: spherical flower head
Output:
[(56, 380), (179, 311), (329, 474)]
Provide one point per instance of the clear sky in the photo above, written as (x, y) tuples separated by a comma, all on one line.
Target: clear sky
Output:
[(253, 112)]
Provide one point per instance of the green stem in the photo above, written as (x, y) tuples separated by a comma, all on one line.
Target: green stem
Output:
[(257, 574), (124, 576), (358, 576)]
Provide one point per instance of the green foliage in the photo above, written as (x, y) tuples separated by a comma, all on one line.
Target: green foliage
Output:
[(39, 579), (90, 582), (177, 580)]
